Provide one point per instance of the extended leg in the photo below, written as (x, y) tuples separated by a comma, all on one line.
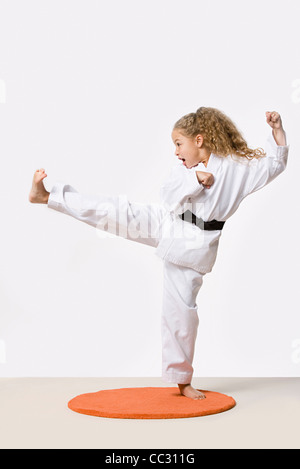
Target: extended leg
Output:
[(179, 322), (115, 215)]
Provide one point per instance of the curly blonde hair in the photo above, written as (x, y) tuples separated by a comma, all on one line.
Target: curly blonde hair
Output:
[(220, 134)]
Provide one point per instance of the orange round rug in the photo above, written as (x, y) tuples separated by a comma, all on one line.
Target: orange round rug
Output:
[(149, 403)]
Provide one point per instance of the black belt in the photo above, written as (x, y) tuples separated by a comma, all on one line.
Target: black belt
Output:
[(203, 225)]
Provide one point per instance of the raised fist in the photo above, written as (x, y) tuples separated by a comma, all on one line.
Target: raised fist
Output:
[(274, 120)]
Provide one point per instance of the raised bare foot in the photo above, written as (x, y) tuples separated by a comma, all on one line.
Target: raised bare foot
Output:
[(187, 390), (38, 193)]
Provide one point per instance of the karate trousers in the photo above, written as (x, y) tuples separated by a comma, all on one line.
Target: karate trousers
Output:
[(142, 223)]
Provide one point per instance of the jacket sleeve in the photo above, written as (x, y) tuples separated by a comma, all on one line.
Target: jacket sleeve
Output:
[(181, 185), (266, 169)]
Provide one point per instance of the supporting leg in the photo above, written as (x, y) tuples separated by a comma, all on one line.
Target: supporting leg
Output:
[(179, 322)]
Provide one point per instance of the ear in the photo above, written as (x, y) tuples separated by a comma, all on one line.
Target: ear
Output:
[(199, 140)]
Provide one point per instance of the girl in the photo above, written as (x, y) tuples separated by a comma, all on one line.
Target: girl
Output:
[(215, 171)]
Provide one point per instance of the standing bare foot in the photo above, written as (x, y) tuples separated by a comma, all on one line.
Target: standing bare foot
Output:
[(38, 193), (187, 390)]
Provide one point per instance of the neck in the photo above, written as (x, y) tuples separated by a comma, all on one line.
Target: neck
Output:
[(204, 157)]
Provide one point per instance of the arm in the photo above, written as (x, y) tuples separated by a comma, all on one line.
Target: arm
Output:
[(274, 120), (205, 178), (280, 137), (265, 170), (182, 184)]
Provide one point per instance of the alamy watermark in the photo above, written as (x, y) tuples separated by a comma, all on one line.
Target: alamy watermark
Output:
[(146, 223), (295, 96), (2, 92), (296, 351), (2, 352)]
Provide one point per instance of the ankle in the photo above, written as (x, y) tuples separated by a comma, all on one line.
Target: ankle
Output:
[(46, 198), (182, 386)]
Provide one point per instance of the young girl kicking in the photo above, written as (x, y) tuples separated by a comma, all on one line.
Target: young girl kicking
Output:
[(215, 171)]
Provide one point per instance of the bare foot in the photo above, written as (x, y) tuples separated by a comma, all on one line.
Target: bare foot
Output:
[(187, 390), (38, 193)]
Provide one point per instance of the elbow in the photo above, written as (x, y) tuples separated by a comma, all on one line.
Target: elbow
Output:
[(283, 165)]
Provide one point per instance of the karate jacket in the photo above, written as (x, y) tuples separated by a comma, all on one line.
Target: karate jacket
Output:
[(184, 243)]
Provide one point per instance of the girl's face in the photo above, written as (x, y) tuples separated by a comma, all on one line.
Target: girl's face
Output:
[(187, 149)]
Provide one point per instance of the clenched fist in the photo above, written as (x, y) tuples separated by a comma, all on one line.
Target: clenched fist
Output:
[(274, 120), (207, 179)]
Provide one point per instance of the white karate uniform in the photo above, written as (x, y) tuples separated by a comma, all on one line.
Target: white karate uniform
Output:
[(187, 251)]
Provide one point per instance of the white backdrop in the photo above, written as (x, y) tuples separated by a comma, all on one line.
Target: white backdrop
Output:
[(90, 90)]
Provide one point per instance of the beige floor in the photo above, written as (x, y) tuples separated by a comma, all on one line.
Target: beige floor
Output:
[(34, 415)]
